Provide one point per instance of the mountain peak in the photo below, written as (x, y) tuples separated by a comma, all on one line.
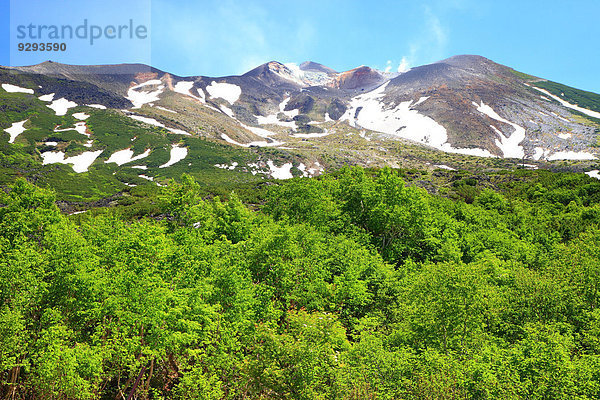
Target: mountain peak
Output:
[(307, 74), (274, 73), (313, 66), (472, 62), (465, 59)]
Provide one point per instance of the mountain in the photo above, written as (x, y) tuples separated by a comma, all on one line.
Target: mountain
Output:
[(116, 78), (115, 125)]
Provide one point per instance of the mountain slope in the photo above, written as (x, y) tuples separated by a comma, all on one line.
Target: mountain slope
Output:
[(284, 120)]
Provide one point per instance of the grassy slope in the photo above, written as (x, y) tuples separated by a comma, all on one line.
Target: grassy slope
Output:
[(111, 131), (584, 99)]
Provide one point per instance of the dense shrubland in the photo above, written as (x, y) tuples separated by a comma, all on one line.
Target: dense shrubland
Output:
[(352, 286)]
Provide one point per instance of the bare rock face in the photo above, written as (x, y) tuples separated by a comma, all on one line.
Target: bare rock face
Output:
[(358, 78)]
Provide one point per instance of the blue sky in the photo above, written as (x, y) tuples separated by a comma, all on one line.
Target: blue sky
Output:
[(557, 40)]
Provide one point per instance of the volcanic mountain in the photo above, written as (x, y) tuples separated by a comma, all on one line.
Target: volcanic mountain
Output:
[(304, 116)]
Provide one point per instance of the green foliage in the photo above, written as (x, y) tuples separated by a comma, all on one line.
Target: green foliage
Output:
[(353, 286), (589, 100), (523, 75), (26, 212)]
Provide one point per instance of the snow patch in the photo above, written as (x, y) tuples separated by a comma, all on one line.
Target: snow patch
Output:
[(126, 156), (283, 172), (319, 169), (530, 166), (442, 166), (178, 131), (152, 121), (290, 113), (227, 110), (572, 155), (98, 106), (225, 91), (47, 97), (559, 117), (81, 116), (257, 144), (15, 130), (166, 109), (302, 169), (61, 106), (80, 163), (139, 98), (259, 131), (564, 135), (585, 111), (539, 153), (15, 89), (313, 135), (369, 112), (421, 100), (229, 167), (474, 151), (508, 145), (593, 174), (230, 140), (256, 169), (177, 154), (147, 120), (185, 88), (78, 212), (274, 143), (306, 172), (273, 120), (80, 127)]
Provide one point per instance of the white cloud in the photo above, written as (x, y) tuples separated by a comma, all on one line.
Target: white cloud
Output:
[(388, 66), (430, 44), (404, 65), (436, 29)]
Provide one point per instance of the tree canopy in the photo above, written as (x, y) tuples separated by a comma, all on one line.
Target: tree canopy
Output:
[(354, 285)]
